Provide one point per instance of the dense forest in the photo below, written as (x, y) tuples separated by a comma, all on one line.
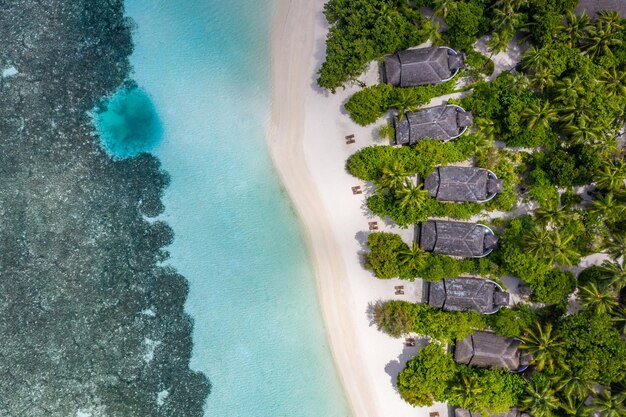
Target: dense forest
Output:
[(550, 128)]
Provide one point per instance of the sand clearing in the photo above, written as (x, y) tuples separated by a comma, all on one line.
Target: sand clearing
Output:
[(307, 143)]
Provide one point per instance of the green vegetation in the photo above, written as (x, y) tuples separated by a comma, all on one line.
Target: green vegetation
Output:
[(390, 257), (559, 116), (400, 317), (434, 376), (362, 31), (371, 103)]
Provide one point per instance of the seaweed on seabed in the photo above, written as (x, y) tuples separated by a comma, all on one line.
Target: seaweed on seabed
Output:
[(91, 324)]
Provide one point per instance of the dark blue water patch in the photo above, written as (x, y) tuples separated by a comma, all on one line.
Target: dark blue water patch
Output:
[(128, 123)]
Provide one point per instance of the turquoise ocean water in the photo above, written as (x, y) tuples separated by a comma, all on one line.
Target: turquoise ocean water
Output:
[(258, 331)]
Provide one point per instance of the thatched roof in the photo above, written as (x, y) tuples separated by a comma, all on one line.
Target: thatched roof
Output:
[(469, 240), (422, 66), (513, 412), (462, 184), (592, 7), (443, 122), (467, 294), (488, 350)]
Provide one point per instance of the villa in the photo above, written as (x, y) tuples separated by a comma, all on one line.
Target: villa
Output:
[(467, 240), (463, 184), (513, 412), (488, 350), (466, 294), (422, 66), (444, 122)]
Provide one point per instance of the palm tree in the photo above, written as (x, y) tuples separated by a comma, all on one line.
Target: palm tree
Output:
[(573, 385), (540, 400), (404, 101), (615, 273), (485, 127), (535, 58), (412, 257), (540, 113), (550, 245), (576, 27), (464, 392), (498, 42), (430, 30), (543, 344), (612, 176), (583, 132), (605, 34), (537, 242), (442, 7), (506, 19), (607, 206), (618, 317), (616, 245), (599, 299), (569, 90), (609, 405), (393, 177), (542, 78), (552, 215), (614, 80), (609, 20), (411, 195), (574, 407)]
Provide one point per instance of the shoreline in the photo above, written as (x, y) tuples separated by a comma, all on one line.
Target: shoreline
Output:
[(306, 142), (292, 47)]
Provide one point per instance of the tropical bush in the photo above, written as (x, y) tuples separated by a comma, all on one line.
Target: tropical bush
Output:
[(390, 257), (364, 30), (371, 103), (401, 317)]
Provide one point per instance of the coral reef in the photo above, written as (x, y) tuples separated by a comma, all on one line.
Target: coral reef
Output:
[(91, 323)]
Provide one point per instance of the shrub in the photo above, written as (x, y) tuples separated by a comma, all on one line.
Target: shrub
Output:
[(465, 24), (368, 163), (383, 255), (594, 348), (554, 287), (511, 322), (371, 103), (360, 33), (400, 317), (493, 390), (427, 376)]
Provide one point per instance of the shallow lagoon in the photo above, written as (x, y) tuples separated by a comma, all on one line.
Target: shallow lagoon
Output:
[(258, 331)]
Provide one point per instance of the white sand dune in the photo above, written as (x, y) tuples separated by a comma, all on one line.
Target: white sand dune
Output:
[(306, 140)]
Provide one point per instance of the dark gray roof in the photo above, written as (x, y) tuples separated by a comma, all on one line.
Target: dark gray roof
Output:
[(513, 412), (488, 350), (469, 240), (592, 7), (442, 122), (422, 66), (462, 184), (466, 294)]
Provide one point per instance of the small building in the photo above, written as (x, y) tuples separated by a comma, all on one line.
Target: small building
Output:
[(592, 7), (513, 412), (467, 240), (422, 66), (444, 122), (466, 294), (488, 350), (463, 184)]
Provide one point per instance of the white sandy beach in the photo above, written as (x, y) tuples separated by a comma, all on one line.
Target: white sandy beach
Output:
[(306, 140)]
